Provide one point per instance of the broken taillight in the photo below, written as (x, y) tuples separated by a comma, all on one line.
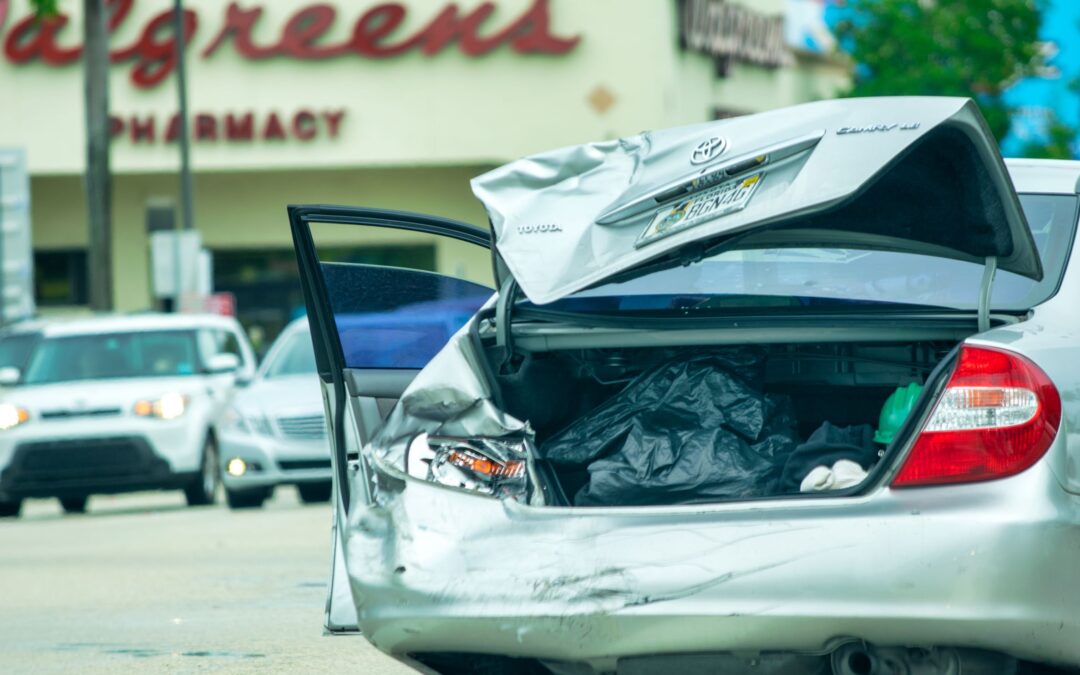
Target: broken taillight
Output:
[(997, 416), (484, 466), (493, 466)]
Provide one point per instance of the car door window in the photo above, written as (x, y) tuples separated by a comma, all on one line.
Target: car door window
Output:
[(219, 341), (397, 318), (228, 343)]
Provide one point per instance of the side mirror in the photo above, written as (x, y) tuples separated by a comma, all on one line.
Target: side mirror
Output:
[(9, 376), (221, 363)]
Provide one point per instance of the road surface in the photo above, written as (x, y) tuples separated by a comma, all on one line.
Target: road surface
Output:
[(143, 583)]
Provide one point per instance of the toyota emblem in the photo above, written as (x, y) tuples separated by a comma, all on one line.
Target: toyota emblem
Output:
[(708, 150)]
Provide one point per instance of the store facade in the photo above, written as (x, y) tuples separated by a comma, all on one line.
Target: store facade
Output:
[(387, 104)]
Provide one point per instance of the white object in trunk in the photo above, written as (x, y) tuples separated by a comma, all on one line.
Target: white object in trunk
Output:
[(842, 475)]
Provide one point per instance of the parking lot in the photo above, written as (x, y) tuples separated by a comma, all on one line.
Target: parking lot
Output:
[(142, 582)]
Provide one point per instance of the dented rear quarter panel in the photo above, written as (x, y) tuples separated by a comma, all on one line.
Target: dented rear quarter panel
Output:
[(989, 565)]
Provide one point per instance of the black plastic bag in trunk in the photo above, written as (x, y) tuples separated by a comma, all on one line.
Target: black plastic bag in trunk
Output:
[(691, 430)]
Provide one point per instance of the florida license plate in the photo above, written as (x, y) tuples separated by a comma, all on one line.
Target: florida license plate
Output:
[(722, 200)]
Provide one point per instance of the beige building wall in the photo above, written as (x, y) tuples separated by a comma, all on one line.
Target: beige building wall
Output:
[(235, 211)]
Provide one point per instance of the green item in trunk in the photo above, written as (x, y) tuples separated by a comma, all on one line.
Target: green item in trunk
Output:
[(896, 409)]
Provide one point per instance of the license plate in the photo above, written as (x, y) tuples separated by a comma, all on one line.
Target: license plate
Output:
[(722, 200)]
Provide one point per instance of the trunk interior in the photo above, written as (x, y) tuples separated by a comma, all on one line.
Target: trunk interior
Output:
[(619, 427)]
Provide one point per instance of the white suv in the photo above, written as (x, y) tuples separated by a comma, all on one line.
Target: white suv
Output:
[(115, 404)]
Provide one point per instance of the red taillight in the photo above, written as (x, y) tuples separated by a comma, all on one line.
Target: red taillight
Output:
[(997, 416)]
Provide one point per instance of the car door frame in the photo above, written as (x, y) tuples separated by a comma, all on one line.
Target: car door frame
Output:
[(331, 366), (329, 358)]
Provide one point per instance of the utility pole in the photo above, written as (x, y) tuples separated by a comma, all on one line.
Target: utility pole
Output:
[(185, 146), (182, 109), (98, 177)]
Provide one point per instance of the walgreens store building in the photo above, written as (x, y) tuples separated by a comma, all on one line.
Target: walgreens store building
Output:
[(385, 104)]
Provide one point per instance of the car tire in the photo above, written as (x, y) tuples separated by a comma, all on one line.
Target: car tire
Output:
[(203, 488), (10, 509), (74, 504), (315, 493), (246, 499)]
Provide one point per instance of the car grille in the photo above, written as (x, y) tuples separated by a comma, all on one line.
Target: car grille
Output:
[(301, 464), (310, 427), (55, 461), (72, 414)]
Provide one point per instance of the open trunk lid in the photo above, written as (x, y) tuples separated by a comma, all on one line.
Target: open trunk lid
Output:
[(907, 174)]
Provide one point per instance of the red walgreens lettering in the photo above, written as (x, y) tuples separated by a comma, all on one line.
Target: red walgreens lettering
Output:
[(274, 129), (142, 130), (240, 127), (304, 125), (301, 36), (205, 127)]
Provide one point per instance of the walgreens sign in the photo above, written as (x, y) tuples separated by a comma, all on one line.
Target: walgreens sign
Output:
[(376, 33)]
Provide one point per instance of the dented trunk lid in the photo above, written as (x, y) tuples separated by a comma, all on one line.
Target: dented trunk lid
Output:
[(907, 174)]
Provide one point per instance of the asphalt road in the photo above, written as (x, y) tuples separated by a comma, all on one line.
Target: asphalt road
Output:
[(142, 583)]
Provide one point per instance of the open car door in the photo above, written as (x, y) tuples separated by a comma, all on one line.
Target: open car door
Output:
[(376, 319)]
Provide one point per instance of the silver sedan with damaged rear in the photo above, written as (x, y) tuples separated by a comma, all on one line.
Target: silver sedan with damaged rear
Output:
[(789, 391), (274, 433), (112, 404)]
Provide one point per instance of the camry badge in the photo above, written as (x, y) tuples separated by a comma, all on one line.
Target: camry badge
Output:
[(708, 150)]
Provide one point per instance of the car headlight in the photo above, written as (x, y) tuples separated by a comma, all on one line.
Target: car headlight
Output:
[(491, 466), (168, 407), (248, 423), (12, 416)]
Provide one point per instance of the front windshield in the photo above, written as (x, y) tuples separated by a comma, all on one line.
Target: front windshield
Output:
[(295, 357), (111, 356), (837, 278), (16, 348)]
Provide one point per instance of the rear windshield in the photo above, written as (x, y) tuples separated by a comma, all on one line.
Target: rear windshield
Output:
[(295, 357), (119, 355), (832, 277)]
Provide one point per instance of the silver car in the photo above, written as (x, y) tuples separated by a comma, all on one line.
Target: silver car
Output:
[(274, 432), (790, 393), (110, 404)]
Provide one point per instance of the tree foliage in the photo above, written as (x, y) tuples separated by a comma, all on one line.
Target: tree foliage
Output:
[(45, 8), (973, 48)]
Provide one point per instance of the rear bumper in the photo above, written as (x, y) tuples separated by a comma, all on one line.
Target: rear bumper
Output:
[(991, 566), (273, 461), (103, 465)]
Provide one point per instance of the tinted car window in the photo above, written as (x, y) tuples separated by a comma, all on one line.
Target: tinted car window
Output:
[(808, 277), (295, 357), (389, 317), (91, 357)]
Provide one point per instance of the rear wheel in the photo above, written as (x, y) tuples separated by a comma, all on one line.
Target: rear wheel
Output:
[(246, 499), (74, 504), (10, 509), (203, 489), (315, 493)]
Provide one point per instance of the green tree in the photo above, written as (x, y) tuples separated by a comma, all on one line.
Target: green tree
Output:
[(973, 48)]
